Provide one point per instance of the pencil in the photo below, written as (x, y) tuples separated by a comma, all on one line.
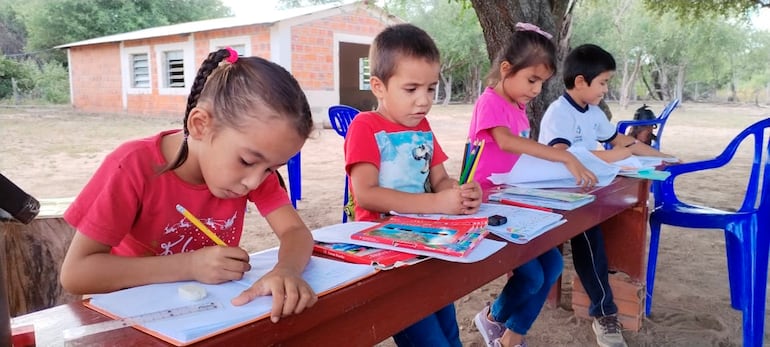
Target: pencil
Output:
[(519, 204), (466, 162), (202, 227), (465, 155), (475, 162)]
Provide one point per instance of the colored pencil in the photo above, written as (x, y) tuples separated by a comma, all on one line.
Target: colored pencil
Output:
[(519, 204), (202, 227), (476, 160)]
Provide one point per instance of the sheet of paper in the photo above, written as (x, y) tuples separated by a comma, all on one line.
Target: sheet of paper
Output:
[(534, 172), (322, 274), (342, 232)]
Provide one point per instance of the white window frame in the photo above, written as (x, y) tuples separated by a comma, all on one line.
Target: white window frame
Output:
[(127, 72), (189, 67), (245, 41), (364, 73)]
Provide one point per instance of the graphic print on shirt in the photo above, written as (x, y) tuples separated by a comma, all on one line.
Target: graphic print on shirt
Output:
[(578, 135), (178, 238), (405, 159)]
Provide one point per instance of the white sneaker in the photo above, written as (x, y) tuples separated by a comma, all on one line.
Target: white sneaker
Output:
[(608, 331)]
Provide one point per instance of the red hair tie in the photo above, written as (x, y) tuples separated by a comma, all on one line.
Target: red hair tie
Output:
[(233, 57)]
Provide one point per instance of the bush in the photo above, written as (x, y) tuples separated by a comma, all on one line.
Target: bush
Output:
[(51, 83), (11, 70), (36, 82)]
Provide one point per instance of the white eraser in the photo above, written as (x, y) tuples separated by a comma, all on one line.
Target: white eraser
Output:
[(191, 292)]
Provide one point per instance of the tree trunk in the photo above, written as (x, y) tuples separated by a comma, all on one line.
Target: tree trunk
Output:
[(680, 73), (447, 88), (498, 19), (32, 255), (628, 79)]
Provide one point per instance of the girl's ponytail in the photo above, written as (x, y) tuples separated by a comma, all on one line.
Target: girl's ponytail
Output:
[(208, 65)]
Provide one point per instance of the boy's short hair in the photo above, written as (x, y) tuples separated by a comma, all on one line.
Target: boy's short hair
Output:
[(399, 41), (587, 60)]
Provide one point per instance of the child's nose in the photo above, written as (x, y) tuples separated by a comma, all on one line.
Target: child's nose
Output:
[(252, 181)]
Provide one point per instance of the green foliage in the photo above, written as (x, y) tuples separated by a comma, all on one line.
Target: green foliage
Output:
[(12, 70), (47, 82), (715, 53), (12, 31), (51, 82), (52, 23), (690, 11)]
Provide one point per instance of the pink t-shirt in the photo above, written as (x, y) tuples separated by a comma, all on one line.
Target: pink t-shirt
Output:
[(128, 206), (492, 111), (403, 156)]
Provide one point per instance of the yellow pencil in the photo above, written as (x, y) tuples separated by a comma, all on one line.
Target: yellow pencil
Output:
[(202, 227), (475, 162)]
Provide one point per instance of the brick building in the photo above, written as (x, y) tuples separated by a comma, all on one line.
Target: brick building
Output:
[(151, 71)]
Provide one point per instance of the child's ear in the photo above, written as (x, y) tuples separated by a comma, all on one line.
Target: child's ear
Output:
[(505, 68), (378, 87), (580, 81), (199, 123)]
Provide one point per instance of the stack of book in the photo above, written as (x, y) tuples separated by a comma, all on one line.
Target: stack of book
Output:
[(383, 259), (546, 198), (454, 237)]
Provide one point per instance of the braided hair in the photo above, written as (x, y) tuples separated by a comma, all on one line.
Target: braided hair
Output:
[(234, 90)]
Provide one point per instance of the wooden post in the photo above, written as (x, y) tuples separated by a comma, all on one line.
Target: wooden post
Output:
[(32, 255)]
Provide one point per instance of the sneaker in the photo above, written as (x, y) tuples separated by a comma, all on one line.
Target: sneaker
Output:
[(608, 331), (491, 331), (497, 343)]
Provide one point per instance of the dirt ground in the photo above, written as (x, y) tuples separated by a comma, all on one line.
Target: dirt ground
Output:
[(52, 152)]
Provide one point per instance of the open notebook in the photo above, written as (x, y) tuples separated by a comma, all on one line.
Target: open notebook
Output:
[(532, 172), (323, 275)]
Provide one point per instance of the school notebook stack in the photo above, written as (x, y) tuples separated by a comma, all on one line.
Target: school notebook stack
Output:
[(341, 233), (323, 275), (548, 198), (522, 224), (455, 237), (383, 259)]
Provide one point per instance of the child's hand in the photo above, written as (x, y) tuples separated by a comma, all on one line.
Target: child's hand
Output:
[(291, 294), (471, 194), (583, 177), (450, 201), (217, 264)]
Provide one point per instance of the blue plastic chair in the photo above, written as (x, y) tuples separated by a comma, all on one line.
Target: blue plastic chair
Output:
[(659, 121), (294, 168), (747, 230), (340, 117)]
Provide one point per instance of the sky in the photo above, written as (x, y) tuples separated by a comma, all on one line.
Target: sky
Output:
[(762, 20)]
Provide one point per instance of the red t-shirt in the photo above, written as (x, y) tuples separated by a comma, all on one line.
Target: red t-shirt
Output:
[(128, 206), (403, 155)]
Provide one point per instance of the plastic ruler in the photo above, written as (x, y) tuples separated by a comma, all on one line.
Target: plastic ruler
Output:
[(85, 330)]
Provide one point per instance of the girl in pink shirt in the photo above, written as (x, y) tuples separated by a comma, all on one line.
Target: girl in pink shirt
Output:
[(500, 119)]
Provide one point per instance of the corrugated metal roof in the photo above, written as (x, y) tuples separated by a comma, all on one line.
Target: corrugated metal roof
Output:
[(266, 17)]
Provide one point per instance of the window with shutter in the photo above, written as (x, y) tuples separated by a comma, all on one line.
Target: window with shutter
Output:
[(174, 69)]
